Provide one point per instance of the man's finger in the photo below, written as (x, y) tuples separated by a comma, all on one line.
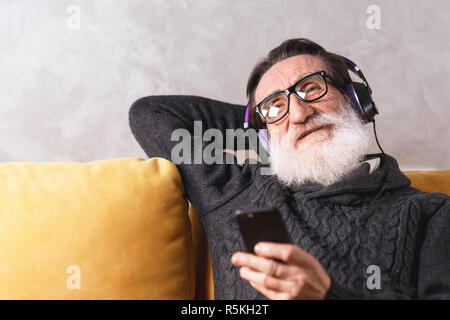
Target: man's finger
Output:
[(271, 294), (268, 266), (285, 252), (264, 280)]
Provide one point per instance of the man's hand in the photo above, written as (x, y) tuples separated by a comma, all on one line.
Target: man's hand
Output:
[(302, 277)]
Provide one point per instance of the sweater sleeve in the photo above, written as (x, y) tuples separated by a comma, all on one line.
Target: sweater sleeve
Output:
[(434, 266), (433, 279), (174, 126)]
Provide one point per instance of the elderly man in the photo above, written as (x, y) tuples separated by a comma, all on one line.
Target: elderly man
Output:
[(349, 215)]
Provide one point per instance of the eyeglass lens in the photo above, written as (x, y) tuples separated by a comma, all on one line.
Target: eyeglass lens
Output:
[(309, 89)]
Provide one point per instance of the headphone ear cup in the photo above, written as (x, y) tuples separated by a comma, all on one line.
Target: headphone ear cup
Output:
[(350, 89), (362, 101), (365, 101)]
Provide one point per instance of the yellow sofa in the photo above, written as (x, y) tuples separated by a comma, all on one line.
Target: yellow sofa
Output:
[(109, 229)]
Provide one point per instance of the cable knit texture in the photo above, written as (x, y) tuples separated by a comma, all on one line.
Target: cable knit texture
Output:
[(363, 220)]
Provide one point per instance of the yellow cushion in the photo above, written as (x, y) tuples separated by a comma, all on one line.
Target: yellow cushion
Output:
[(430, 181), (118, 228)]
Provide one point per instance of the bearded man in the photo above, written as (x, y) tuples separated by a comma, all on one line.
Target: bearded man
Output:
[(346, 212)]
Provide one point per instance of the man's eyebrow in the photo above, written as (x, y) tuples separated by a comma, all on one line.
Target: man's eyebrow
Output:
[(296, 79)]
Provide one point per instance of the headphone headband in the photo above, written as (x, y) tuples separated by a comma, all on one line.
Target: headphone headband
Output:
[(247, 118)]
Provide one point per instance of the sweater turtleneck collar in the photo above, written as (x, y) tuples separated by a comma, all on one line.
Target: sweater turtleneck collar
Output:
[(387, 177)]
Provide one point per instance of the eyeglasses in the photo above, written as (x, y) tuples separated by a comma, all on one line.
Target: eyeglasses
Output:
[(309, 88)]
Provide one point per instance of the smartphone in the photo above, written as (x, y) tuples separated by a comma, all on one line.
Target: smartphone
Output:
[(261, 224)]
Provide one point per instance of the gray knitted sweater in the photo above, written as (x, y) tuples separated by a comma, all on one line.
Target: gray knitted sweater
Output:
[(374, 219)]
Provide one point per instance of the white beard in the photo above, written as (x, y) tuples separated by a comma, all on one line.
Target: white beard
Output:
[(327, 161)]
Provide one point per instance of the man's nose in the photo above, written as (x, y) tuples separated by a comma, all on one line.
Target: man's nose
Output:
[(299, 110)]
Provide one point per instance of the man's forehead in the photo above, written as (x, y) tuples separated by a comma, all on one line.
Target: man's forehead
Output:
[(285, 73)]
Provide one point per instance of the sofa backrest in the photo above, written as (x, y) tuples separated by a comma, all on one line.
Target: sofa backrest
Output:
[(430, 181), (110, 229)]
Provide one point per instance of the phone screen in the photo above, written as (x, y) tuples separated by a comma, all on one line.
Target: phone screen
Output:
[(261, 224)]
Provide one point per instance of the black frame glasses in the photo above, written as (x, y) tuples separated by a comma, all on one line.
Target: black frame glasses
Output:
[(290, 90)]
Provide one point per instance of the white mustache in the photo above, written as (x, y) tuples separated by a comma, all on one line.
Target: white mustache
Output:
[(315, 123)]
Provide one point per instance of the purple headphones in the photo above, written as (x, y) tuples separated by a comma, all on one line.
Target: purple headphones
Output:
[(359, 93)]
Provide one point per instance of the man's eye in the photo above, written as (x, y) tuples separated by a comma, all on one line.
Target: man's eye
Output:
[(275, 104), (311, 88)]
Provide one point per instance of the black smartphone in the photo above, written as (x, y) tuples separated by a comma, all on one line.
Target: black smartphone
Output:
[(261, 224)]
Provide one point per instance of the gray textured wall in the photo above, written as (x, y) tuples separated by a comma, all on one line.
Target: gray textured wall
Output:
[(65, 91)]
